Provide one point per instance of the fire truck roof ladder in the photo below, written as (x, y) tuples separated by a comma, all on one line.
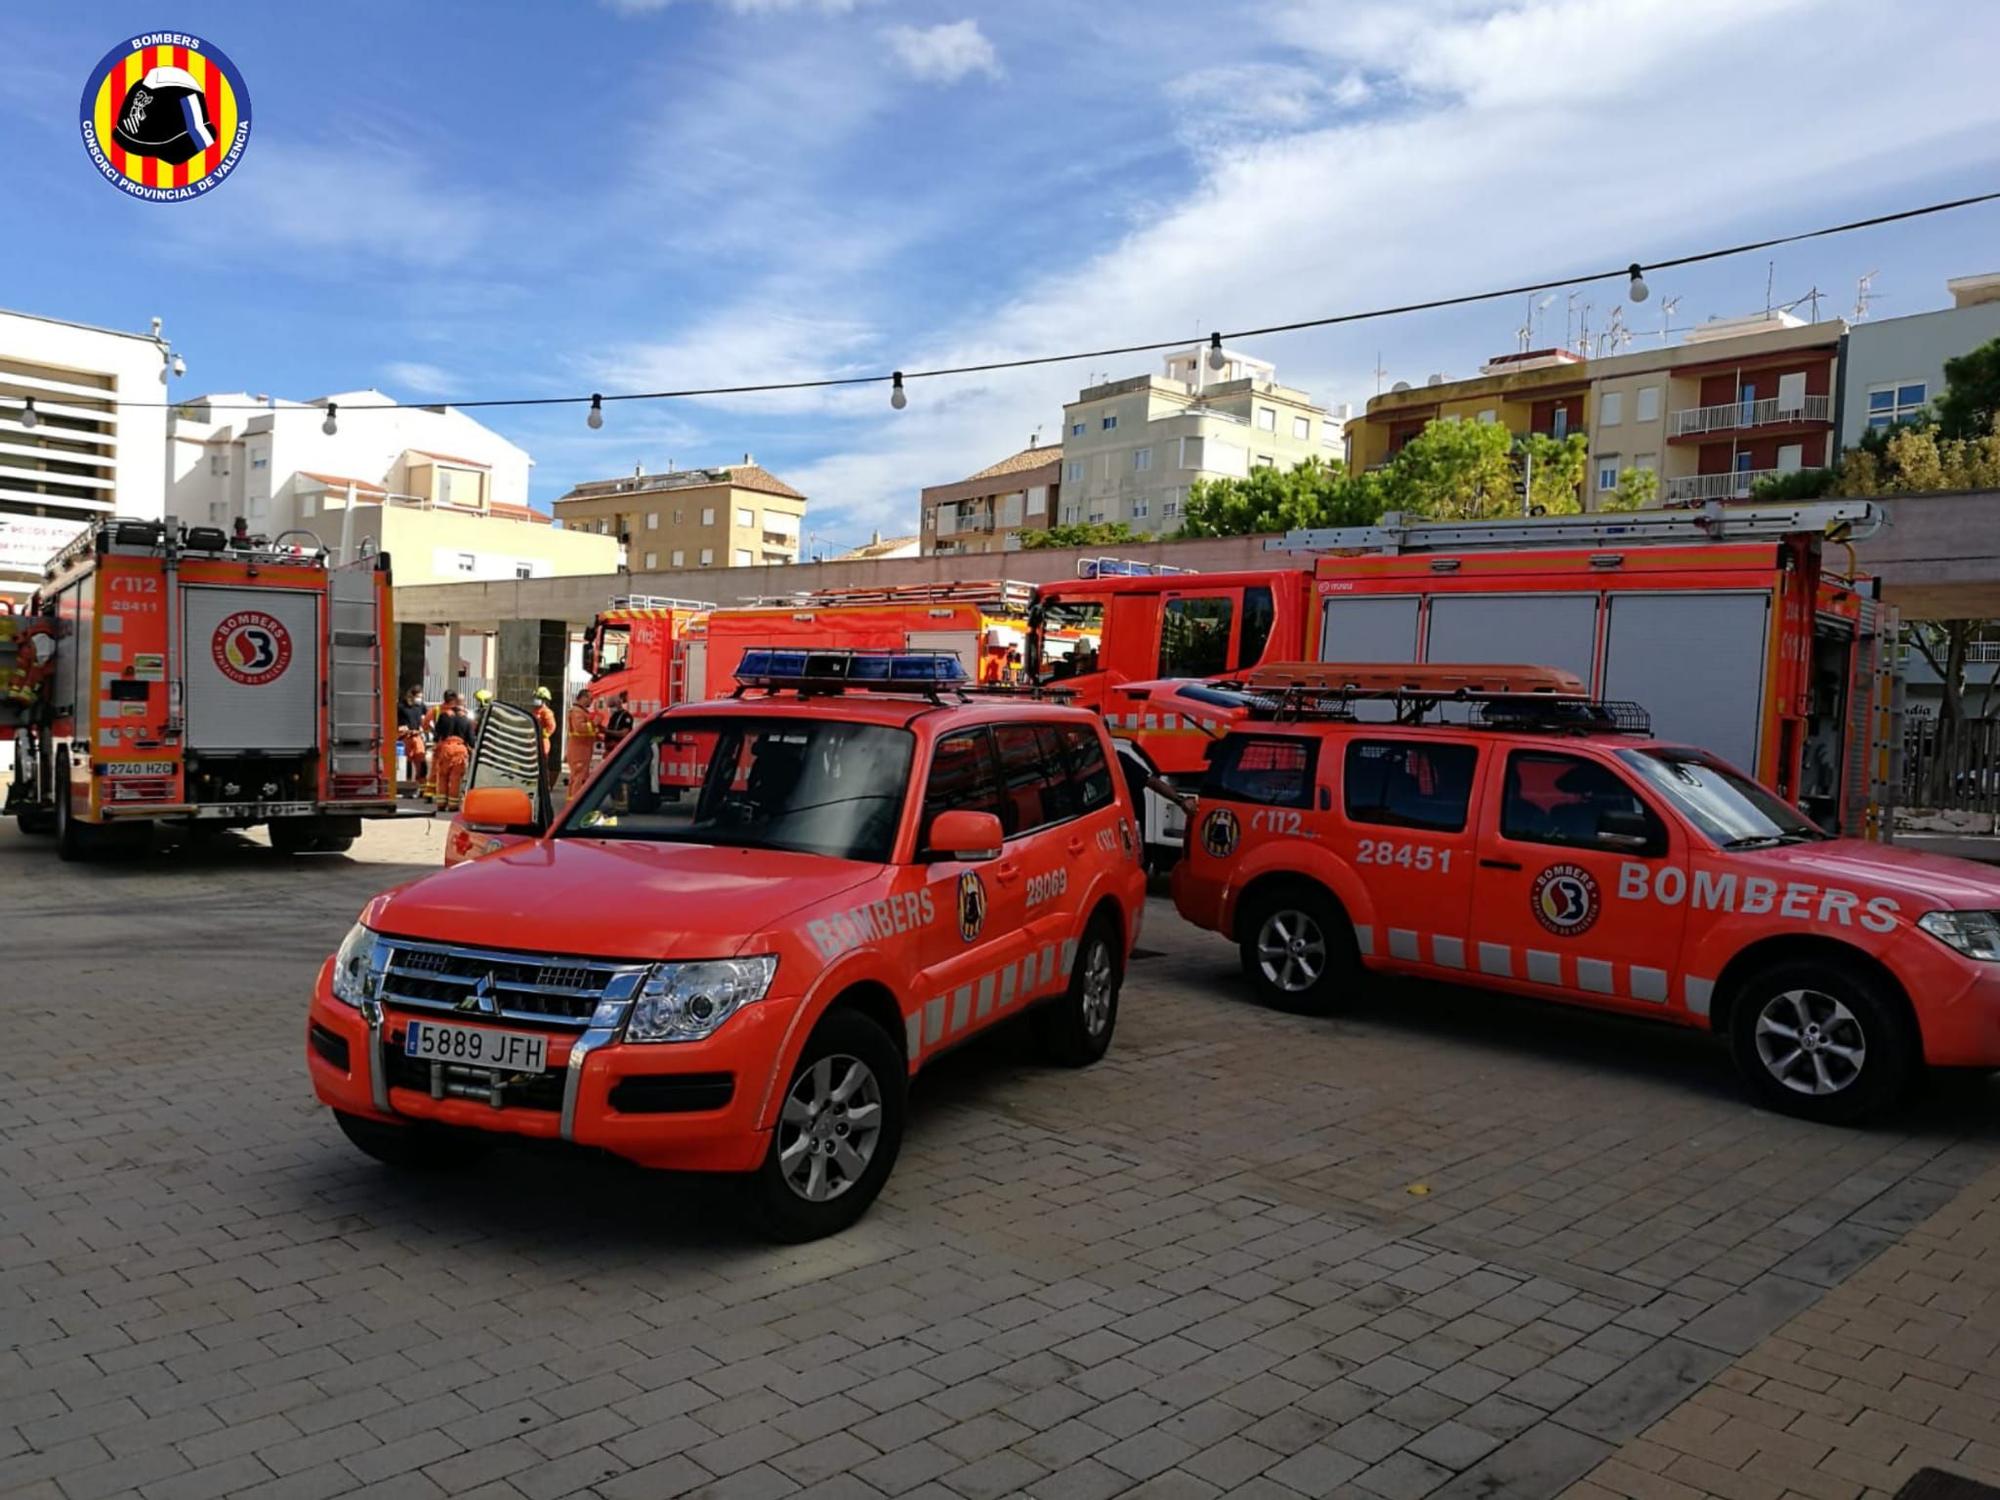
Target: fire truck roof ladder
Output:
[(1507, 696), (1001, 594), (1716, 521), (657, 601)]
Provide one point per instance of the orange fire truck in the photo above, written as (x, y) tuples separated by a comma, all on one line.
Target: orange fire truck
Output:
[(1722, 619), (181, 679), (640, 648)]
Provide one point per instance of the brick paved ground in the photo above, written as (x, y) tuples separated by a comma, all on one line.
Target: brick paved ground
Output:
[(1449, 1244)]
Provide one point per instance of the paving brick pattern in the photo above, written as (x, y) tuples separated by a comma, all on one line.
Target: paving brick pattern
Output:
[(1446, 1244)]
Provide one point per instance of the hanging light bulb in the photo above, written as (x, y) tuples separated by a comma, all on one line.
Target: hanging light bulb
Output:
[(1217, 360), (1639, 291), (596, 417), (898, 398), (330, 426), (29, 417)]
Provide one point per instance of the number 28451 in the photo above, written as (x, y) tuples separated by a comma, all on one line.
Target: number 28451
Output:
[(1409, 856)]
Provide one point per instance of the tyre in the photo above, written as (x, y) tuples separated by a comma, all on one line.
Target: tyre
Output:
[(838, 1132), (1823, 1042), (1298, 950), (413, 1148), (334, 843), (40, 821), (294, 835), (1075, 1030)]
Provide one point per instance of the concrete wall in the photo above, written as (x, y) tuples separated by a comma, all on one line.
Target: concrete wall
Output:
[(424, 545)]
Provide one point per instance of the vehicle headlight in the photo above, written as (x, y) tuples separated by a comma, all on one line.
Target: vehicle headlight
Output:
[(686, 1002), (1976, 934), (355, 971)]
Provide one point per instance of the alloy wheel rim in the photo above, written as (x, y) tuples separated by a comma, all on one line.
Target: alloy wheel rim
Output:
[(831, 1124), (1810, 1042), (1097, 985), (1291, 951)]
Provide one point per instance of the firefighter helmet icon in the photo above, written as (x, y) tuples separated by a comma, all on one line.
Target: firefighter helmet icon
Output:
[(165, 116), (1220, 832), (971, 905), (1565, 899)]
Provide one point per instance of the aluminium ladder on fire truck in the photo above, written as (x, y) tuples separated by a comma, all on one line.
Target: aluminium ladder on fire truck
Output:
[(355, 717), (996, 594), (1834, 520)]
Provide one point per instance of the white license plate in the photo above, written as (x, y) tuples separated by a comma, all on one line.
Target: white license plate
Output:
[(476, 1046)]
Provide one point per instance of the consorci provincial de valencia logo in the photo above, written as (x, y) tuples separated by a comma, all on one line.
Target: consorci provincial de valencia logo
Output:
[(165, 116), (1565, 899), (971, 905), (251, 647)]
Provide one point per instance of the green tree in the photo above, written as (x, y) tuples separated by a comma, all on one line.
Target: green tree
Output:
[(1971, 399), (1454, 471), (1085, 534), (1314, 493), (1799, 484), (1555, 472), (1637, 489)]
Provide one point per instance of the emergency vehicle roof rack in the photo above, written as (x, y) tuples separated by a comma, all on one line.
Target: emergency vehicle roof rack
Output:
[(1715, 521), (657, 601), (813, 673), (1124, 567), (130, 536), (1005, 594), (1501, 696)]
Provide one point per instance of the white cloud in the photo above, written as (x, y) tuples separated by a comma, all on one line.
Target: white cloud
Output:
[(742, 7), (945, 53), (420, 379)]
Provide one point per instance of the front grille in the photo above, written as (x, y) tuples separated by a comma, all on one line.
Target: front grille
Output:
[(479, 983), (543, 1091)]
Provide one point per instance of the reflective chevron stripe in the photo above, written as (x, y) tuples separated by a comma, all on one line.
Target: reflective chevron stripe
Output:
[(1592, 975), (971, 1005)]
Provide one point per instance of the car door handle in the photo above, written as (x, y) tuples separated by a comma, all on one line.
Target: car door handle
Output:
[(1076, 846), (1006, 872), (1499, 864)]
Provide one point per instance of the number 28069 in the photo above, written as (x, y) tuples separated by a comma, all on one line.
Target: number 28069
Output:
[(1409, 856)]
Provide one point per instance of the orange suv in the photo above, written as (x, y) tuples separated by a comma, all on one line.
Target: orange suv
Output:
[(1494, 827), (734, 947)]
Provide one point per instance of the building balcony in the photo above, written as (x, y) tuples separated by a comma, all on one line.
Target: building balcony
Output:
[(1739, 416), (1698, 487)]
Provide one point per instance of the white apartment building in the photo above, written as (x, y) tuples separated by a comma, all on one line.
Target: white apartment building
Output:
[(445, 495), (1132, 448), (68, 451)]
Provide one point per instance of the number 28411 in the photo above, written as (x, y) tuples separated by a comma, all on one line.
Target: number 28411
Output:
[(1409, 856)]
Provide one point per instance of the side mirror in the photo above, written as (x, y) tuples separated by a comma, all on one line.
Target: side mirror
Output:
[(498, 809), (1624, 830), (964, 834)]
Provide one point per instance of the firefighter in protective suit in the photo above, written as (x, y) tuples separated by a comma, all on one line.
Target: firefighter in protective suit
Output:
[(579, 739), (27, 657), (453, 730)]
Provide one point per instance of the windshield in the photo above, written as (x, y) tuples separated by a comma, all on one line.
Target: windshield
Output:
[(613, 645), (1730, 808), (1066, 637), (814, 786)]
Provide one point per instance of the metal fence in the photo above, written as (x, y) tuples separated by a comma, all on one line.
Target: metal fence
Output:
[(1952, 765)]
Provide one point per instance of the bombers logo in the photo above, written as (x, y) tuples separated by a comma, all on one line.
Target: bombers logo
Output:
[(1565, 899), (165, 116), (251, 647), (1220, 833), (971, 905)]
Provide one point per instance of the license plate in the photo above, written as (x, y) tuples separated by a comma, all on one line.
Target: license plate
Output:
[(476, 1046)]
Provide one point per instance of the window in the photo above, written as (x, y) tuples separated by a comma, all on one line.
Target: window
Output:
[(708, 515), (743, 558), (527, 570), (1258, 614), (1302, 428), (963, 777), (261, 461), (1109, 423), (1559, 423), (745, 518), (1191, 453), (1140, 506), (680, 558), (1089, 772), (1076, 429), (1730, 808), (1896, 403), (1607, 473), (1171, 506), (1110, 466), (652, 520), (1266, 461), (1552, 798), (707, 556), (1791, 457), (1647, 461), (309, 505), (679, 517), (1270, 770), (652, 560), (1488, 415), (1038, 500), (1072, 512), (1267, 419), (1037, 788), (1792, 392), (1194, 637), (1646, 405), (1142, 459), (1096, 514), (467, 562), (1010, 510), (1611, 409), (1073, 471), (215, 464), (1409, 783)]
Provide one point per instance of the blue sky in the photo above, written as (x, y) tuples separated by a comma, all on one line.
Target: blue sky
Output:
[(517, 199)]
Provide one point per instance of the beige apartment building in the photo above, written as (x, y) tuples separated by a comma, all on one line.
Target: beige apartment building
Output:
[(735, 516), (985, 512), (1133, 448)]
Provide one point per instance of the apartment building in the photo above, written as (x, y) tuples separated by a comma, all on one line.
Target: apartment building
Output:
[(733, 516), (68, 451), (985, 512), (1893, 368), (1537, 390), (1133, 448)]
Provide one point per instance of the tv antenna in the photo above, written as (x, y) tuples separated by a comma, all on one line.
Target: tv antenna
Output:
[(1770, 279), (1864, 293), (1379, 372), (1667, 317)]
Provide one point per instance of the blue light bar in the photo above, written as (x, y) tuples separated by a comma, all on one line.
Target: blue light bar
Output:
[(823, 671)]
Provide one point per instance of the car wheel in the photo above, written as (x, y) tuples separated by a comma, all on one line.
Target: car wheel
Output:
[(1298, 950), (1075, 1029), (1822, 1042), (293, 835), (838, 1132), (413, 1148)]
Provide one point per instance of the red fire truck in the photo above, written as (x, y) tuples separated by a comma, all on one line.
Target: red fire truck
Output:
[(1723, 619), (640, 648), (179, 678)]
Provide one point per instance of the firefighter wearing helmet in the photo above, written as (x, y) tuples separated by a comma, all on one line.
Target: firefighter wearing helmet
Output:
[(453, 731), (545, 720)]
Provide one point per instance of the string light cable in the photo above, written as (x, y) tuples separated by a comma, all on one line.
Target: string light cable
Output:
[(1632, 273)]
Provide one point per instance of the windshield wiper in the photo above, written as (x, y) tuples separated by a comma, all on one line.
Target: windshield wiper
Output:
[(1770, 840)]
